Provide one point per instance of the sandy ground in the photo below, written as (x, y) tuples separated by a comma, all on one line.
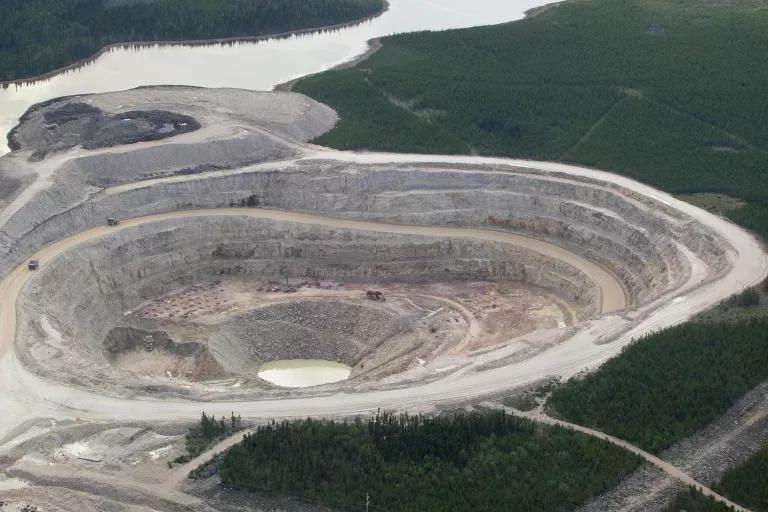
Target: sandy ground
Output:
[(486, 313)]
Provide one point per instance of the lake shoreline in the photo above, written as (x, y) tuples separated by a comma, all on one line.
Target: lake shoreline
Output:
[(375, 44), (4, 84)]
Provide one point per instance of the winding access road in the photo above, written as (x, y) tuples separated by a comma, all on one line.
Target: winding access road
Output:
[(180, 473), (27, 396), (671, 470)]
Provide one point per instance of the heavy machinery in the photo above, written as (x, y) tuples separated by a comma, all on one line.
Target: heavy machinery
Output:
[(374, 295), (112, 222), (33, 265)]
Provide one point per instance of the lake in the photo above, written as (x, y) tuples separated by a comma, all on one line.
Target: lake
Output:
[(259, 65)]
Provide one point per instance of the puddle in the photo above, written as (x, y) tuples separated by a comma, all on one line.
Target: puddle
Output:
[(303, 373)]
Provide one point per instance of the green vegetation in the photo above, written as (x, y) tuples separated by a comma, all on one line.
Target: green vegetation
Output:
[(748, 484), (669, 384), (749, 304), (719, 204), (670, 93), (694, 501), (204, 434), (38, 36), (530, 398), (468, 462), (746, 299)]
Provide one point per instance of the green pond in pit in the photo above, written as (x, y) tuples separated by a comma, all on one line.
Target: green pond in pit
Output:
[(303, 373)]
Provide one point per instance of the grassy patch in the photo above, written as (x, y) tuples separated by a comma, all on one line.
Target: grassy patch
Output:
[(527, 399), (485, 461), (750, 304), (719, 204)]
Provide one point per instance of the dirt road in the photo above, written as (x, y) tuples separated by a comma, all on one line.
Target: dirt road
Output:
[(612, 291), (180, 473), (27, 396), (666, 467)]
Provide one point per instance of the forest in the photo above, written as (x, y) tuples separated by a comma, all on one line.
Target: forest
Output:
[(747, 484), (693, 501), (667, 385), (480, 461), (670, 93), (38, 36), (207, 432)]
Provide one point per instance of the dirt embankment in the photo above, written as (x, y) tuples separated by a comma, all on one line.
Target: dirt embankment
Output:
[(62, 127)]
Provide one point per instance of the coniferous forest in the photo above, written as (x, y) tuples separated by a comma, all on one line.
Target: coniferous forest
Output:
[(475, 462), (670, 93), (666, 386), (206, 433), (693, 501), (747, 484), (38, 36)]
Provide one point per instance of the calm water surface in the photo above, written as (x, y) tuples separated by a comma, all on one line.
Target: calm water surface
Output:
[(253, 65), (303, 373)]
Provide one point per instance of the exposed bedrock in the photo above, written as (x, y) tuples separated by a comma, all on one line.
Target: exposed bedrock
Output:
[(73, 317), (64, 125), (643, 242), (303, 329), (232, 128), (97, 121), (83, 159)]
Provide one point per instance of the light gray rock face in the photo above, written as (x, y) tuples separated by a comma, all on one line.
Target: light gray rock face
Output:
[(639, 242), (66, 122), (237, 128), (85, 292), (247, 152)]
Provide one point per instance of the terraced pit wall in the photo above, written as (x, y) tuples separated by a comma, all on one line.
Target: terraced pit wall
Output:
[(637, 239), (84, 293)]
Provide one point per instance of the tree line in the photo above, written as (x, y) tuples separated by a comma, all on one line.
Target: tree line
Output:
[(480, 461), (633, 87), (205, 433), (37, 36), (747, 484), (669, 384)]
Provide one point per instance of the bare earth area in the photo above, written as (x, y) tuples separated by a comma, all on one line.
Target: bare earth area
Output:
[(437, 280)]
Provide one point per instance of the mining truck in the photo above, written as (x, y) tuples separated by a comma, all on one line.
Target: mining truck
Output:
[(149, 343)]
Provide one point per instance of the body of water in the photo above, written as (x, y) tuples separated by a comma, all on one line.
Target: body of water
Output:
[(303, 373), (259, 65)]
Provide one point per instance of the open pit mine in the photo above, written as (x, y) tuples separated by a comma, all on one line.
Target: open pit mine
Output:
[(242, 263), (245, 269)]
